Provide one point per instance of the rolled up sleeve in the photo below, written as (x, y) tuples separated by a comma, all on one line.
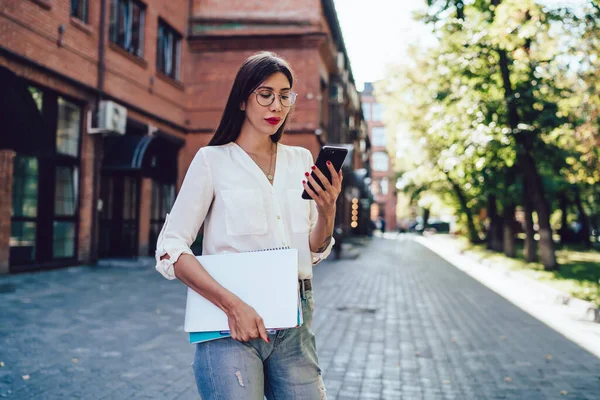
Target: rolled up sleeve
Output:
[(186, 217)]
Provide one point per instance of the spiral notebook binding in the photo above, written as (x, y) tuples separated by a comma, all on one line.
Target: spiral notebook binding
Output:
[(273, 249)]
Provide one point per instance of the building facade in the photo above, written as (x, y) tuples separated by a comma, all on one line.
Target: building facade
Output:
[(76, 193), (383, 181)]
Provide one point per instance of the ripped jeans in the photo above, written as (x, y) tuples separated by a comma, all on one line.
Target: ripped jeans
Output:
[(286, 368)]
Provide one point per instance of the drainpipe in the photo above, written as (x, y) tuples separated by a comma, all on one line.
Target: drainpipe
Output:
[(99, 141), (101, 48)]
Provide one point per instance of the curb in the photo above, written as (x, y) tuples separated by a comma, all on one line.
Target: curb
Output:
[(583, 310)]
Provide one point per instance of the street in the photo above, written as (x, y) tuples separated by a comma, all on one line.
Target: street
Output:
[(398, 322)]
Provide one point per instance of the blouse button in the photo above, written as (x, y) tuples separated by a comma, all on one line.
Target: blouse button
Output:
[(279, 217)]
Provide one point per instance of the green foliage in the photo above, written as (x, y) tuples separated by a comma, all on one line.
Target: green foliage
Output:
[(451, 99)]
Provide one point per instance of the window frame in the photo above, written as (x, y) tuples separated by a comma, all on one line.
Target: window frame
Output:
[(376, 143), (82, 12), (48, 161), (368, 107), (377, 111), (177, 38), (113, 31), (79, 139), (373, 162)]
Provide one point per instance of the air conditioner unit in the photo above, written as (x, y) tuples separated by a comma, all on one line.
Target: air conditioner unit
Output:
[(112, 119)]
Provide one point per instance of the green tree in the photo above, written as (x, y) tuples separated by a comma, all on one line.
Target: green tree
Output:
[(488, 112)]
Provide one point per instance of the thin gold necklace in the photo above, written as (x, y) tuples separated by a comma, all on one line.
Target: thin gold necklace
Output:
[(268, 174)]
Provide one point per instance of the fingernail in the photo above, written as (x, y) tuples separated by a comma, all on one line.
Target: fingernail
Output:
[(304, 182), (306, 173), (268, 340), (313, 167), (328, 162)]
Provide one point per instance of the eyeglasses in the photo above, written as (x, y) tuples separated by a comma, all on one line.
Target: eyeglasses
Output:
[(266, 97)]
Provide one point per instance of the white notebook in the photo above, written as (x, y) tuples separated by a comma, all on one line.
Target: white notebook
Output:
[(267, 280)]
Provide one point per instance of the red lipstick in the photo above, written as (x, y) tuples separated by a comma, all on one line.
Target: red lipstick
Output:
[(273, 120)]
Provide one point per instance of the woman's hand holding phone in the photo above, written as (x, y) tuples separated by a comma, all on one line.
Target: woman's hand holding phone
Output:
[(326, 198)]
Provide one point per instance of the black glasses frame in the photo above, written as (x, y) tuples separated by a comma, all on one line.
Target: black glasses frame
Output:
[(293, 96)]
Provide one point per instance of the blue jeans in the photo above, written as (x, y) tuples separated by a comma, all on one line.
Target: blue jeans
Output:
[(285, 369)]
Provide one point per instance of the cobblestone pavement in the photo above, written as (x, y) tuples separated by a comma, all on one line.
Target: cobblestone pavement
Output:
[(399, 322)]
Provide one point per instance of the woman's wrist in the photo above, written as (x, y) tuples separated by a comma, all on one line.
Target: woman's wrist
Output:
[(229, 303), (328, 219)]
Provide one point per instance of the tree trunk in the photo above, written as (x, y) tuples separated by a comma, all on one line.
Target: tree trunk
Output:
[(462, 200), (583, 220), (532, 180), (495, 235), (426, 213), (529, 251), (564, 231), (546, 243), (509, 231), (460, 9)]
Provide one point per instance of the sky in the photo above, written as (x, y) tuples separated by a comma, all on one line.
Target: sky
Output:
[(377, 33)]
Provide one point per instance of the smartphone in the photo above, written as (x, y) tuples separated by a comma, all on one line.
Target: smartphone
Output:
[(336, 155)]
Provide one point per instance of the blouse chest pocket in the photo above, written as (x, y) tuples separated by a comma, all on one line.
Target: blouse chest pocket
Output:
[(299, 211), (245, 212)]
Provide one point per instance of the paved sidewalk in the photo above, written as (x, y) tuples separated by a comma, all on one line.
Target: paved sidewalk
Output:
[(574, 320), (399, 322)]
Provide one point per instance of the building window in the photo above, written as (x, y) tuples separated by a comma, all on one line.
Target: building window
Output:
[(323, 105), (79, 10), (65, 208), (378, 136), (375, 187), (163, 197), (384, 186), (63, 244), (68, 129), (45, 209), (38, 97), (380, 161), (366, 107), (127, 25), (168, 50), (24, 210), (377, 112), (65, 192)]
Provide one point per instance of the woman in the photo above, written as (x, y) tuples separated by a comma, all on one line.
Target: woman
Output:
[(246, 188)]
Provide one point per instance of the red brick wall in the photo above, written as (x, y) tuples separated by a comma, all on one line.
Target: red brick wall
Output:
[(87, 202), (213, 74), (136, 80), (258, 9), (145, 209), (31, 30), (307, 140), (196, 102), (6, 174), (388, 202)]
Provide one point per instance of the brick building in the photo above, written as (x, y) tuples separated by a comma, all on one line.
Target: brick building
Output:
[(383, 182), (75, 193)]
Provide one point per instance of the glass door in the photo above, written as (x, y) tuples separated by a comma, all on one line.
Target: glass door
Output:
[(119, 216)]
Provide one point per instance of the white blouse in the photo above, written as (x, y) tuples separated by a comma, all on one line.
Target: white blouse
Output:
[(241, 211)]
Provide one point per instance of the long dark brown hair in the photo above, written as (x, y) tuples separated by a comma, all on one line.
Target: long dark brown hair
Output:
[(255, 70)]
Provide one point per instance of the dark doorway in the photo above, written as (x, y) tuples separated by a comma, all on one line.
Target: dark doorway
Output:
[(46, 183), (163, 196), (119, 215)]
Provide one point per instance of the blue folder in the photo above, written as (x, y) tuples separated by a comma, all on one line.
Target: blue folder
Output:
[(200, 337)]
